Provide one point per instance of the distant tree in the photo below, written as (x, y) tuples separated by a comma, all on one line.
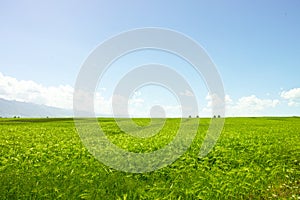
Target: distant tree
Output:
[(214, 116), (197, 116), (219, 116), (190, 116), (15, 117)]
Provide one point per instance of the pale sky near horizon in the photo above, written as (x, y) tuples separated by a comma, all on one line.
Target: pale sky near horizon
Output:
[(255, 46)]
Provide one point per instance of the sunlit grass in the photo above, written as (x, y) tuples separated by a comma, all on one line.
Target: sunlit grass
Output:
[(255, 158)]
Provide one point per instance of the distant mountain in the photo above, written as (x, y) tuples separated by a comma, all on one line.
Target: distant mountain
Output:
[(16, 108)]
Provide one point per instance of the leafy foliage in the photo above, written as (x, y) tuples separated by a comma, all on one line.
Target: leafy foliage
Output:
[(255, 158)]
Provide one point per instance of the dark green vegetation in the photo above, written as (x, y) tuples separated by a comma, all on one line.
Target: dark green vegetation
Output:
[(255, 158)]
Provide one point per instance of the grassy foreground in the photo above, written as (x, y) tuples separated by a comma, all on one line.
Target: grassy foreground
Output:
[(255, 158)]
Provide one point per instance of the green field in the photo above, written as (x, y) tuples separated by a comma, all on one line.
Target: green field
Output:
[(255, 158)]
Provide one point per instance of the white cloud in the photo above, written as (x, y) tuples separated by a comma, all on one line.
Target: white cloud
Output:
[(214, 99), (251, 106), (173, 111), (165, 110), (217, 100), (62, 97), (136, 99), (143, 107), (293, 96), (102, 105), (187, 93), (244, 106), (30, 91)]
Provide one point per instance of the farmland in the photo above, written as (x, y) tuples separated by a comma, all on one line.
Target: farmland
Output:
[(254, 158)]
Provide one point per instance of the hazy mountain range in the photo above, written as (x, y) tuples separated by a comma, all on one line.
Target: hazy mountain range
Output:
[(10, 108)]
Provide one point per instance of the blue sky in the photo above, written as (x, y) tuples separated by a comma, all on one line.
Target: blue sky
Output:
[(254, 44)]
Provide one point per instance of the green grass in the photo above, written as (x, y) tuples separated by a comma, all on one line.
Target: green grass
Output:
[(255, 158)]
